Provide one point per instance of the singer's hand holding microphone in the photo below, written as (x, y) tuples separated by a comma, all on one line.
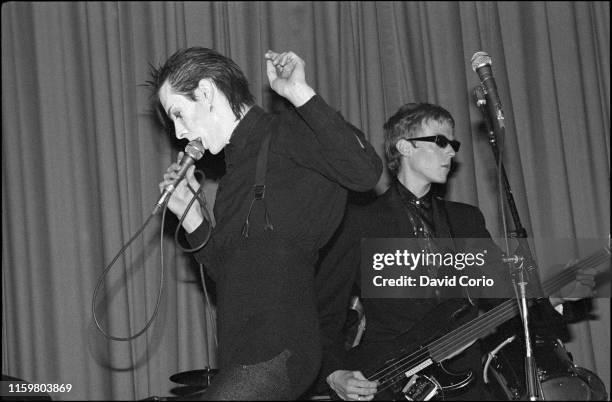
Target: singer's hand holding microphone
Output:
[(176, 192)]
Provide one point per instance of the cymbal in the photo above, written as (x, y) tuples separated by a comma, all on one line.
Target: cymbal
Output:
[(194, 377)]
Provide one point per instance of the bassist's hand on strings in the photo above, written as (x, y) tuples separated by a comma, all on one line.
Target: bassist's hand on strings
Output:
[(352, 385), (582, 287)]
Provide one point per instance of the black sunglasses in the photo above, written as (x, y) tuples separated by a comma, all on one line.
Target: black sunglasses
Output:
[(440, 141)]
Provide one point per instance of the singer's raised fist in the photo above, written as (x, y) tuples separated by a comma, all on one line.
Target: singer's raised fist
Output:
[(287, 76)]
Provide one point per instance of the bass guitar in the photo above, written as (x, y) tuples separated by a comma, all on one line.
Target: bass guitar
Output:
[(412, 365)]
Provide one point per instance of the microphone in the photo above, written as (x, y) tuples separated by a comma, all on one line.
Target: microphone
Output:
[(481, 64), (479, 96), (481, 103), (193, 152)]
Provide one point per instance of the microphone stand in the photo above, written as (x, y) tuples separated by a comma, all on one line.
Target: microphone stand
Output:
[(522, 265)]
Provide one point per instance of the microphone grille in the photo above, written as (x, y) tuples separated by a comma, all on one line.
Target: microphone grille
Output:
[(195, 149), (480, 59)]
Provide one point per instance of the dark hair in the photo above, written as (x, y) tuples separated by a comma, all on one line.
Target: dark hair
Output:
[(406, 123), (186, 67)]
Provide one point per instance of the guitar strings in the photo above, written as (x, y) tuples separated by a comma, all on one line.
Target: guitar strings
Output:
[(506, 310), (566, 277), (563, 278), (395, 374), (411, 359), (593, 260)]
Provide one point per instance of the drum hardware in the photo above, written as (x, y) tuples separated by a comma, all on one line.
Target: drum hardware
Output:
[(193, 383), (187, 390), (201, 378), (190, 397), (558, 377)]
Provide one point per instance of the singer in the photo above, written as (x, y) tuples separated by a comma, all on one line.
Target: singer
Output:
[(282, 197), (420, 144)]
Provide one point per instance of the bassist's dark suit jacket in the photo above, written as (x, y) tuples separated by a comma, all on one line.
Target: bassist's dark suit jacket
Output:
[(456, 225)]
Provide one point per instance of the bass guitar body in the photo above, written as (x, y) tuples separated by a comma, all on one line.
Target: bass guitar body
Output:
[(411, 365), (404, 366)]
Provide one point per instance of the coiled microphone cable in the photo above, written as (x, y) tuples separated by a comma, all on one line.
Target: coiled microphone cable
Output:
[(196, 195)]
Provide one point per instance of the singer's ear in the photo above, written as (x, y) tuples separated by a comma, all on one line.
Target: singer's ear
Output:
[(205, 90)]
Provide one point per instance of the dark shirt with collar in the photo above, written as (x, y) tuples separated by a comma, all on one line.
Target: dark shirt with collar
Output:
[(419, 210), (264, 283)]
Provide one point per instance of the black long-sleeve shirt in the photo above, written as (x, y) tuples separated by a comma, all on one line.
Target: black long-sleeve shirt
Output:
[(266, 300)]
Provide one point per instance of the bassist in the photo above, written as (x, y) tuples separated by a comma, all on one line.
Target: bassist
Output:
[(419, 145)]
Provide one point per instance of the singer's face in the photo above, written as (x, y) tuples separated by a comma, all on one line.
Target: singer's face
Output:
[(193, 119), (426, 162)]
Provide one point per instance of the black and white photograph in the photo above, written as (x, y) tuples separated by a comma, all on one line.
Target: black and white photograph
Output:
[(306, 200)]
